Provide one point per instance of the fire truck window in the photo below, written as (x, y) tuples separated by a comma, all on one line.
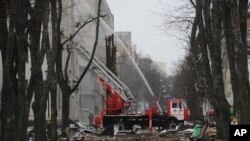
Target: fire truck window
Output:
[(174, 105)]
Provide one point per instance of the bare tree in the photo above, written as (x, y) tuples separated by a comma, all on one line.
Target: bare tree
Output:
[(186, 85), (235, 25), (25, 25), (56, 11), (210, 31), (63, 77), (7, 111), (22, 49), (205, 49), (15, 57)]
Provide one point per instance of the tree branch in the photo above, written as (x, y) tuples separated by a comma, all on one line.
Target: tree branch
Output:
[(93, 51), (89, 20), (192, 2)]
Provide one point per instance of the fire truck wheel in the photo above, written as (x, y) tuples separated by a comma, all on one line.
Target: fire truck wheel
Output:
[(172, 124)]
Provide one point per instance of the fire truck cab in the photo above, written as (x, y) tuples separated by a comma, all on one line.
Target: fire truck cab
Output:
[(176, 112)]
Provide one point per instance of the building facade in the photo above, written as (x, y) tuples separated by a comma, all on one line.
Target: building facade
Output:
[(88, 98)]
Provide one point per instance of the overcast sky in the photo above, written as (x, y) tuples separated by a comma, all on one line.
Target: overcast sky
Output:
[(139, 17)]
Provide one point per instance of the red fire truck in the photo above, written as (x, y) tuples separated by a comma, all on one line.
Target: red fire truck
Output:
[(119, 99), (175, 113)]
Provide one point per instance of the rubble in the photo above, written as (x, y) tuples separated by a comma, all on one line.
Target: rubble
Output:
[(78, 131), (211, 133), (182, 134), (147, 135)]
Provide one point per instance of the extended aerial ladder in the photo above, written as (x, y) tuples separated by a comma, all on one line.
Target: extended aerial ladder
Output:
[(120, 97)]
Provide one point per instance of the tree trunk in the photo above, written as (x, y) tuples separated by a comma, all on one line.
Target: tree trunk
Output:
[(194, 96), (37, 57), (22, 48), (197, 72), (214, 78), (56, 20), (239, 17), (53, 132), (227, 23), (40, 127), (62, 79), (7, 91), (65, 110), (3, 46), (3, 32), (222, 106), (243, 12), (39, 109), (23, 123)]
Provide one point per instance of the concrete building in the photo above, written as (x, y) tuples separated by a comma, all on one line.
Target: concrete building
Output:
[(88, 97), (125, 44), (126, 38)]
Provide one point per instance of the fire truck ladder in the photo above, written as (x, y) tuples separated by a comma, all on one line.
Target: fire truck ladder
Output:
[(102, 71)]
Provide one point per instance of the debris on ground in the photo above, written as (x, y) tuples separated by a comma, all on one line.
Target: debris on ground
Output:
[(211, 133), (180, 134), (78, 131)]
